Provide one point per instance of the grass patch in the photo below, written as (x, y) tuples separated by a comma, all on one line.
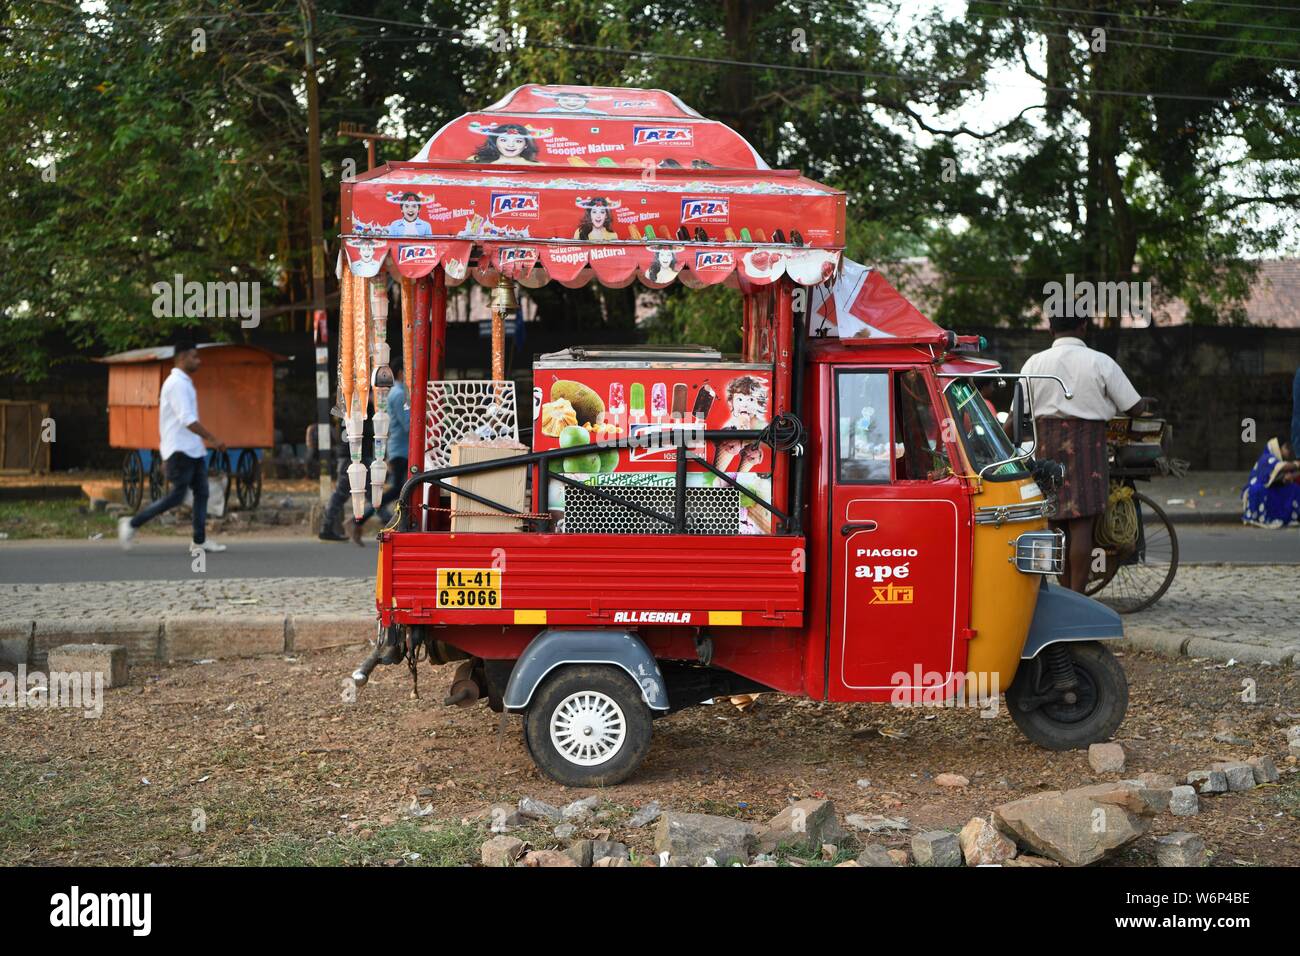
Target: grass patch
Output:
[(437, 844), (61, 518)]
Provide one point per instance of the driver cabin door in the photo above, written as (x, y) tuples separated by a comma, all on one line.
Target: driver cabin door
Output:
[(900, 550)]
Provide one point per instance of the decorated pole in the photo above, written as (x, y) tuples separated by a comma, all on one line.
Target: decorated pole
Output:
[(503, 303), (380, 383)]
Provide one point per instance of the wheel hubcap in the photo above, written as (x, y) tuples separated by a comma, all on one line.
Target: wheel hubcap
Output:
[(588, 728)]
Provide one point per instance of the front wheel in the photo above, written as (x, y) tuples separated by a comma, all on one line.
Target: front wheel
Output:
[(587, 726), (1089, 713)]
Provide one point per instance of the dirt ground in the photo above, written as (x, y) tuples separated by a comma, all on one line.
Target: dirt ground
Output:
[(263, 761)]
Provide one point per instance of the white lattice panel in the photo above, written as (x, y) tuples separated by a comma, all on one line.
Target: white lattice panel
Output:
[(465, 410)]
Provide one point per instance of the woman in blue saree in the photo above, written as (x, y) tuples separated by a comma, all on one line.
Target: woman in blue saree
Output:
[(1271, 498)]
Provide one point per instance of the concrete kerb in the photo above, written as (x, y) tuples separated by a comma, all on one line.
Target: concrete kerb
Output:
[(141, 638), (16, 643), (1166, 644)]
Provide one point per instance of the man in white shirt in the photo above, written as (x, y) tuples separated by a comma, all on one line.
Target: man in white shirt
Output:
[(1072, 431), (181, 438)]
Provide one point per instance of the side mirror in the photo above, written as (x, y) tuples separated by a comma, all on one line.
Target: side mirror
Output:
[(1018, 415)]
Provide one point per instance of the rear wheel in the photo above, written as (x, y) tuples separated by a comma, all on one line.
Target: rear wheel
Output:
[(248, 480), (1093, 709), (587, 726), (132, 480)]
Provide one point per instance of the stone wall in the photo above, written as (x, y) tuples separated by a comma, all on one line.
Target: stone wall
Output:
[(1207, 381)]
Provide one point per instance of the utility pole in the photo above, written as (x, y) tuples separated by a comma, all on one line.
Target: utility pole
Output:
[(357, 131), (320, 317)]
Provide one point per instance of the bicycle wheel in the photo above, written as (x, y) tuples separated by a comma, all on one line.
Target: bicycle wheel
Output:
[(1143, 573)]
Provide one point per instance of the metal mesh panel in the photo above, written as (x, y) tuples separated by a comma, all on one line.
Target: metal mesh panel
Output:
[(708, 511), (465, 410)]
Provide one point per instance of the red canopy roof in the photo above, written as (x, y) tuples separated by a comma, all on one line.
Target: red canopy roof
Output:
[(542, 198)]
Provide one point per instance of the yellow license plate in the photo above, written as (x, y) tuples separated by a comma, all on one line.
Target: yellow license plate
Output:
[(468, 588)]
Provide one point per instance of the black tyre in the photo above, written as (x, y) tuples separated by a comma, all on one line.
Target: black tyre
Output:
[(587, 726), (157, 480), (1102, 699), (132, 480), (248, 480)]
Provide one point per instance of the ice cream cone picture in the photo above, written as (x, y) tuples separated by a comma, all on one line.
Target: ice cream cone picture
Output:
[(360, 396)]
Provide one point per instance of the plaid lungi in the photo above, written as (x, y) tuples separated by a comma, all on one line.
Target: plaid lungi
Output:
[(1079, 445)]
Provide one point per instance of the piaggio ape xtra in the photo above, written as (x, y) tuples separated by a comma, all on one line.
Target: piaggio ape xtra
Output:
[(833, 513)]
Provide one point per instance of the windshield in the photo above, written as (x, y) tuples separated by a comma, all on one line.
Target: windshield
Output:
[(981, 433)]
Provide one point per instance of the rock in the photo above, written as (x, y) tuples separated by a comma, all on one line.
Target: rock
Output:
[(612, 861), (107, 660), (539, 810), (646, 815), (1293, 733), (565, 831), (876, 823), (864, 783), (501, 851), (936, 848), (1157, 781), (1180, 849), (1129, 794), (1156, 798), (1264, 769), (981, 843), (951, 780), (829, 852), (899, 857), (183, 852), (805, 824), (1240, 775), (1227, 737), (1208, 781), (1027, 859), (1106, 758), (502, 817), (602, 849), (688, 838), (581, 809), (1075, 827), (847, 863), (1183, 801), (875, 856), (548, 858), (580, 852)]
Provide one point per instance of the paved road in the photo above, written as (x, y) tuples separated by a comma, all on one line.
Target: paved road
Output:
[(159, 559)]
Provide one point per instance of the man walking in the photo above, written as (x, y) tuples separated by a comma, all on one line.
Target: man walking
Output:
[(181, 437), (396, 456), (1073, 431)]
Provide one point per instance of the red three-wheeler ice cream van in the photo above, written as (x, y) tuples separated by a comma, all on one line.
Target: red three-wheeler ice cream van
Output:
[(834, 512)]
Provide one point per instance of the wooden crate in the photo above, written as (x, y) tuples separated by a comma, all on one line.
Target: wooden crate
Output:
[(22, 448)]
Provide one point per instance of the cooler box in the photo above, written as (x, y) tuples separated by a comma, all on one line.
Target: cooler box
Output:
[(584, 396)]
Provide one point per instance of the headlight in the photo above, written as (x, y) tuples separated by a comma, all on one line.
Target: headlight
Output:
[(1040, 552)]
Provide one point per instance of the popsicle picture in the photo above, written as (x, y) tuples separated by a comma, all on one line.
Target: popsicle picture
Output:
[(703, 402), (679, 401), (638, 402), (616, 406), (659, 401)]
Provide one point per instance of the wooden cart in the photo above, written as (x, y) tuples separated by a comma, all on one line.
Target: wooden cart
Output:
[(236, 392)]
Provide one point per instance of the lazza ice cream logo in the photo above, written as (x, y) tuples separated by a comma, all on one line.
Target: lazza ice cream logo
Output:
[(714, 260), (516, 205), (662, 136), (516, 254), (416, 253), (708, 209)]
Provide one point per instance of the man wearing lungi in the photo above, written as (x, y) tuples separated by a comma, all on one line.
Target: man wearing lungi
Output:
[(1072, 431)]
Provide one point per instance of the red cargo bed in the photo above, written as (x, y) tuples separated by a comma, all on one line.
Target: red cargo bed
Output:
[(592, 580)]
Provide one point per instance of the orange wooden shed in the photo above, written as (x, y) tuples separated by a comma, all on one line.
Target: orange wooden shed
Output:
[(235, 386)]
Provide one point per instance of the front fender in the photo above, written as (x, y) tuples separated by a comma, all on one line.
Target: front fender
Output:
[(552, 649), (1065, 615)]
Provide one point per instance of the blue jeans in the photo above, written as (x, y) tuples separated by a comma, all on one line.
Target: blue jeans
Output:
[(182, 472)]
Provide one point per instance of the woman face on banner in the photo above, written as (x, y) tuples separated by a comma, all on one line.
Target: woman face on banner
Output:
[(510, 144)]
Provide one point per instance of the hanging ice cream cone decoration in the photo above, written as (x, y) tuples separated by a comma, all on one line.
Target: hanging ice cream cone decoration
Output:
[(346, 319), (360, 396), (381, 382), (503, 304)]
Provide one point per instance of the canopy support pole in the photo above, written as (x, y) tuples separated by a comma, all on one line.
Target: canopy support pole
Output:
[(418, 362)]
